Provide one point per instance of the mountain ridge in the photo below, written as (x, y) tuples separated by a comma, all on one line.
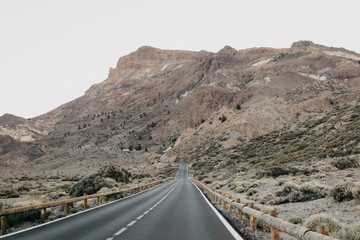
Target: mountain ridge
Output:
[(157, 95)]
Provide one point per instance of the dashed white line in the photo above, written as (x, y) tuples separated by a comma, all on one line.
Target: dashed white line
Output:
[(130, 224), (119, 232), (141, 216)]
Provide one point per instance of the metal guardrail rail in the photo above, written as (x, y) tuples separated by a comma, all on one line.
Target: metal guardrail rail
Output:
[(271, 219), (5, 212)]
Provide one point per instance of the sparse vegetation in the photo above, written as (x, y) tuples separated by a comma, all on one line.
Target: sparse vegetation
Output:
[(317, 219), (223, 118), (349, 233), (92, 183), (295, 193), (345, 163), (342, 191)]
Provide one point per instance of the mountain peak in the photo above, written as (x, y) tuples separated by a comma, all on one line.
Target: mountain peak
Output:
[(150, 56), (11, 120)]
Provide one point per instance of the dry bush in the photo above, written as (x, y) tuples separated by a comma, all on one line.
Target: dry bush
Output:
[(261, 225), (356, 192), (9, 193), (295, 193), (24, 188), (295, 220), (219, 184), (89, 184), (313, 221), (106, 176), (251, 191), (240, 189), (267, 199), (345, 163), (349, 233), (56, 195), (342, 191)]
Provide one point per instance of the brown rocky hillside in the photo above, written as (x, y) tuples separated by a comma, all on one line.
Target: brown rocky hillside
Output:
[(154, 98)]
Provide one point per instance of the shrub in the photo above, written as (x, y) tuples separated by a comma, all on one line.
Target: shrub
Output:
[(115, 172), (24, 188), (267, 199), (345, 163), (223, 118), (356, 192), (251, 192), (295, 220), (294, 193), (92, 183), (313, 221), (89, 184), (239, 189), (342, 191), (9, 193), (238, 107), (349, 233), (261, 225)]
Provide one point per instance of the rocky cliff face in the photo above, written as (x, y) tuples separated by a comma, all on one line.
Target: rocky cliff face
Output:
[(154, 98)]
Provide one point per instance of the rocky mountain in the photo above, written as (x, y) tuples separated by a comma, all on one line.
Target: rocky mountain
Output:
[(163, 105)]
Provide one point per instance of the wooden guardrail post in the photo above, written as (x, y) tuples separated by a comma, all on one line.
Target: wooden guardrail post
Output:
[(275, 235), (85, 202), (67, 207), (125, 193), (230, 207), (4, 222), (239, 212), (323, 228), (97, 201), (42, 213), (224, 203), (103, 199), (326, 230), (252, 219)]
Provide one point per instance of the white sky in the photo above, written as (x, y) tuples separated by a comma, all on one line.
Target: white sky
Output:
[(51, 51)]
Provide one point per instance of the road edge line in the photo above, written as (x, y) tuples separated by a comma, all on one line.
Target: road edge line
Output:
[(230, 228)]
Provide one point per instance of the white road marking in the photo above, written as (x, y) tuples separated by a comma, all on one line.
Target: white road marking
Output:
[(222, 219), (119, 232), (141, 216), (132, 223)]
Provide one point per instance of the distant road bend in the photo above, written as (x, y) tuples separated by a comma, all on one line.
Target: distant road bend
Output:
[(173, 210)]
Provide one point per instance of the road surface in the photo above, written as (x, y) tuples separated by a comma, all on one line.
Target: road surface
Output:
[(173, 210)]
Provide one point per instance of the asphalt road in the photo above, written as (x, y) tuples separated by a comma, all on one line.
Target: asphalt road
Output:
[(174, 210)]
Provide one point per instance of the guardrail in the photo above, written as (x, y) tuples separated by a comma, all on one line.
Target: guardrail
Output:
[(270, 219), (5, 212)]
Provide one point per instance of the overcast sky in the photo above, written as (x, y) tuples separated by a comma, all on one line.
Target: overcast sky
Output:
[(51, 51)]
